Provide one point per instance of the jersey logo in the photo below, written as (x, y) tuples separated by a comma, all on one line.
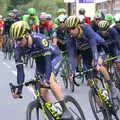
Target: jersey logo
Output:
[(44, 42)]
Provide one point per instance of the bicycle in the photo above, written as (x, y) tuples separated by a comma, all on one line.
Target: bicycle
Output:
[(45, 108), (101, 101)]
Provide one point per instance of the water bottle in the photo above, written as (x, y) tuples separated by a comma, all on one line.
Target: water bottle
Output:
[(57, 108)]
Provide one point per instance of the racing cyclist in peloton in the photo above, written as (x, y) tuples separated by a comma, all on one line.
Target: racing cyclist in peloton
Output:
[(37, 45), (32, 19)]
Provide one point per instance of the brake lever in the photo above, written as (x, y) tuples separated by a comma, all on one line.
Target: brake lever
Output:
[(12, 88)]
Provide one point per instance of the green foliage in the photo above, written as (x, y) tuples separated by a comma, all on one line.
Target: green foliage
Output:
[(49, 6)]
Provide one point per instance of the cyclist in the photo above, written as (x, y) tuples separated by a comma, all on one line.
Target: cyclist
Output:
[(84, 34), (32, 19), (94, 23), (8, 22), (61, 11), (47, 28), (37, 45), (111, 34), (16, 17), (82, 12), (61, 31)]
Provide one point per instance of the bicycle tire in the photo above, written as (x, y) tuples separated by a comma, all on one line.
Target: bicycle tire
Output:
[(92, 94), (33, 105), (76, 104)]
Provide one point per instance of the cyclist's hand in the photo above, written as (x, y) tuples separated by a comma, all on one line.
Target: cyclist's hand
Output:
[(16, 92), (71, 77), (45, 83), (97, 67)]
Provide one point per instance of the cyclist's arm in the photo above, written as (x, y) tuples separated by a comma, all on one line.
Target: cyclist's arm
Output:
[(91, 35), (19, 65), (115, 36), (71, 53)]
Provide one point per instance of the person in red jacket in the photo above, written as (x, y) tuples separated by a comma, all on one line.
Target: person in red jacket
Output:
[(82, 12)]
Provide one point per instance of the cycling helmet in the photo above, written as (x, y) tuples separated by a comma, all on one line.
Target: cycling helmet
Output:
[(11, 15), (1, 17), (61, 10), (117, 18), (61, 18), (19, 29), (72, 21), (103, 25), (15, 10), (109, 17), (82, 18), (49, 16), (31, 11), (82, 11), (43, 16)]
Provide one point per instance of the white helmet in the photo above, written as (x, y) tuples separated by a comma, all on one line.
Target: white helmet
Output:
[(62, 17), (43, 16), (1, 17), (82, 18), (117, 17)]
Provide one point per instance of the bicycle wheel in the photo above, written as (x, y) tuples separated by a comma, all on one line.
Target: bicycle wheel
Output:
[(34, 112), (74, 108), (79, 79), (97, 111)]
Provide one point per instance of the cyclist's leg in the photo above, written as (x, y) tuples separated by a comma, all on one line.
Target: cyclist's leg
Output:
[(55, 87)]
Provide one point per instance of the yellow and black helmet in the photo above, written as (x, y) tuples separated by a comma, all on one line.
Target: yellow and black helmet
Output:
[(19, 29), (103, 25), (72, 21)]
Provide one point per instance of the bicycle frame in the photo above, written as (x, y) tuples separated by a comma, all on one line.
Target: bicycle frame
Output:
[(45, 106)]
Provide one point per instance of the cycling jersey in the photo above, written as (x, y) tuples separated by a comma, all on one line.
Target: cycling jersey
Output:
[(31, 20), (87, 20), (47, 28), (40, 51)]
